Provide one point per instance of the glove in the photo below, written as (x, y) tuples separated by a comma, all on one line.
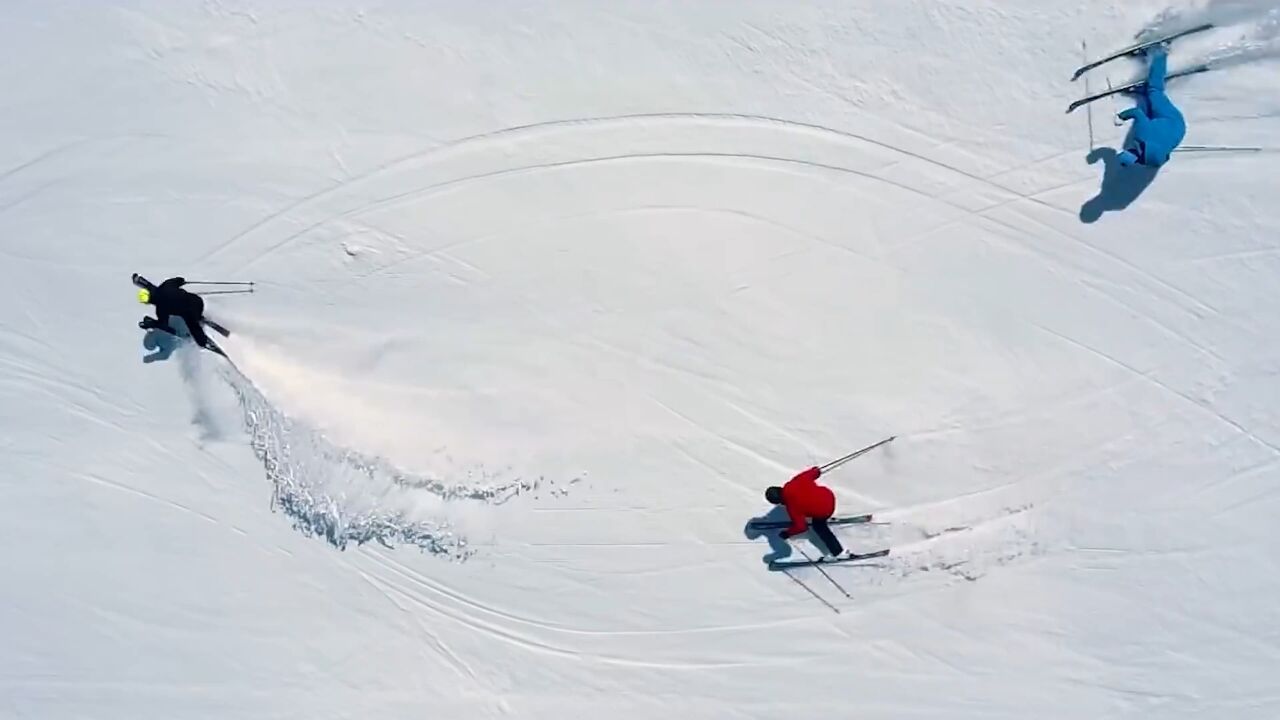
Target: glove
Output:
[(784, 535)]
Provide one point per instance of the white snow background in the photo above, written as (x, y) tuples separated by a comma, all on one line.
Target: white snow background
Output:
[(547, 293)]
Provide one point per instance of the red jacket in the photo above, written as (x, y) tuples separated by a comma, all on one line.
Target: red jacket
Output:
[(804, 498)]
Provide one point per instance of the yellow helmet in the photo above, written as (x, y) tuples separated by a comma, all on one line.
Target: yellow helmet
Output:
[(144, 296)]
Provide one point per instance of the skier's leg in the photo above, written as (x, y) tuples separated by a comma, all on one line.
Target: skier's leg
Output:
[(1155, 73), (197, 331), (828, 538), (1144, 101), (1158, 103), (1160, 106)]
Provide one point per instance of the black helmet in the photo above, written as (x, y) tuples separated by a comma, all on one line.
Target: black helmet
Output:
[(774, 495)]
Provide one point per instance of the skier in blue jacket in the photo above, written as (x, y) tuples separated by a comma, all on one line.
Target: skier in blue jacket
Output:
[(1158, 127)]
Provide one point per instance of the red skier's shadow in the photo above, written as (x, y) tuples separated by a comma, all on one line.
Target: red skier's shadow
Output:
[(778, 548)]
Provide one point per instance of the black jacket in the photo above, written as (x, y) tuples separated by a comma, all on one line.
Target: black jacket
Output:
[(170, 299)]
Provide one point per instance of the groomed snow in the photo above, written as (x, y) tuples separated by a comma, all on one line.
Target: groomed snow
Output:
[(548, 293)]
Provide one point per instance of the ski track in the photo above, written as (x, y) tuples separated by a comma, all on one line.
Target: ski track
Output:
[(90, 478), (471, 618), (470, 605), (1183, 397), (533, 131)]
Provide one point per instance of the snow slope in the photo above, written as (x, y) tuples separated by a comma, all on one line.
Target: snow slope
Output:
[(549, 292)]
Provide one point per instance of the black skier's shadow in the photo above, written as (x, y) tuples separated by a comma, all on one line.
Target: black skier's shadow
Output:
[(1120, 185), (778, 548), (161, 343)]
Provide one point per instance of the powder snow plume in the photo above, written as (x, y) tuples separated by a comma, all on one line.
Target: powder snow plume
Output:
[(334, 492), (1259, 19), (1262, 43), (1221, 13)]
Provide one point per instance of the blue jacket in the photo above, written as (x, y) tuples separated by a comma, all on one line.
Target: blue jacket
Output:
[(1158, 136)]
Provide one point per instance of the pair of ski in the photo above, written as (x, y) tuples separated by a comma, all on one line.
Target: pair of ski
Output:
[(149, 323), (1135, 50), (835, 560)]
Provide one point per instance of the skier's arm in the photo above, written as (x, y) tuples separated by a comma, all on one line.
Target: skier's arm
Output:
[(808, 476), (799, 523), (162, 320), (1138, 117)]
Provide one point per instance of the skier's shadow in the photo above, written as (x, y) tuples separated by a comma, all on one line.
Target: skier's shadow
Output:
[(160, 343), (1120, 185), (778, 548)]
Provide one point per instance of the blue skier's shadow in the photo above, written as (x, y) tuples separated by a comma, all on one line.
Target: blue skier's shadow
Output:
[(1120, 185), (160, 343), (778, 548)]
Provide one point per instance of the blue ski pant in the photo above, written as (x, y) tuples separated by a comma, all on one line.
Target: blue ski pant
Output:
[(1157, 104)]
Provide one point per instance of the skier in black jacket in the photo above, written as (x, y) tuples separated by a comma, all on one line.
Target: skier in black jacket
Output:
[(170, 299)]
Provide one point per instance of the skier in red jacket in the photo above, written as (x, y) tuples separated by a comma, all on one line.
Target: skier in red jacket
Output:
[(809, 505)]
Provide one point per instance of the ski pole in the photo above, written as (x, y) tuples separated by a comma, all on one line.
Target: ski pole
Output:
[(826, 575), (226, 292), (1216, 148), (809, 590), (837, 463), (219, 282)]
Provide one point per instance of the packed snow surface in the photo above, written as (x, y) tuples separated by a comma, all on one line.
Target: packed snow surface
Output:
[(547, 293)]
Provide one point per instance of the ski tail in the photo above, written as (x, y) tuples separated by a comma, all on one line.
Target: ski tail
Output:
[(1136, 48), (216, 327), (846, 558), (845, 520)]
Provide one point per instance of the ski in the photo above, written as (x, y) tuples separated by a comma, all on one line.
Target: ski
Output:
[(779, 524), (847, 557), (216, 327), (827, 575), (149, 323), (1136, 48), (1133, 86)]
